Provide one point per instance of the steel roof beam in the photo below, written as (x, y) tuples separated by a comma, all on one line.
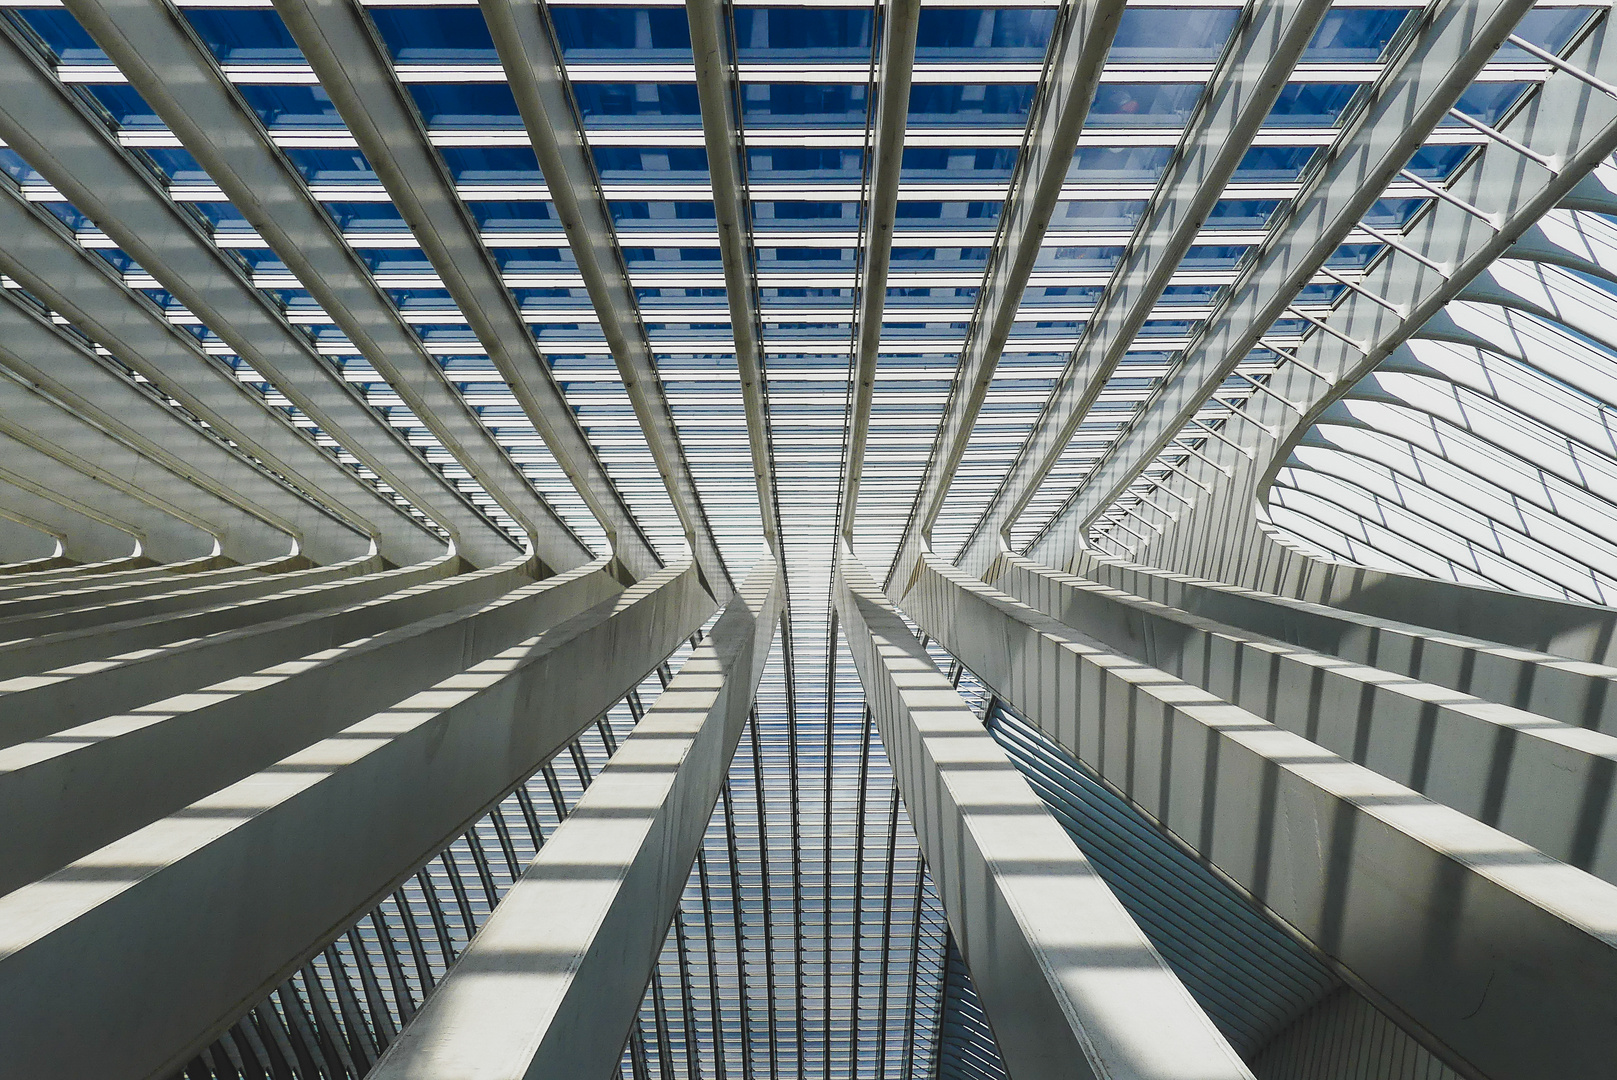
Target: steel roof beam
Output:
[(716, 91), (73, 459), (345, 51), (533, 66), (901, 20), (176, 74), (90, 387), (1077, 51), (40, 254), (1268, 46), (1413, 96)]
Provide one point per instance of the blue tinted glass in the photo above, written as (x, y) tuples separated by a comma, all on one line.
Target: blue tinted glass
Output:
[(622, 33), (1098, 213), (1190, 294), (1148, 34), (806, 163), (1310, 104), (671, 213), (1349, 34), (798, 214), (966, 163), (119, 260), (798, 104), (802, 33), (1437, 162), (940, 258), (665, 103), (417, 299), (541, 258), (1549, 28), (473, 164), (178, 164), (1394, 213), (70, 42), (1320, 293), (125, 105), (1273, 163), (1143, 104), (1487, 101), (1214, 256), (244, 35), (466, 105), (709, 257), (514, 216), (222, 215), (1242, 213), (259, 258), (1085, 258), (1353, 255), (439, 35), (69, 215), (995, 104), (291, 106), (331, 166), (642, 163), (366, 216), (809, 257), (983, 35), (953, 215), (1106, 163)]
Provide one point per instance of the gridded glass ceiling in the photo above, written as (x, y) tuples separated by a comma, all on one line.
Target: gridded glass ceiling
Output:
[(837, 961)]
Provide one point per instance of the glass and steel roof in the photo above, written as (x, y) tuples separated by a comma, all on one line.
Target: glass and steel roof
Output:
[(810, 942)]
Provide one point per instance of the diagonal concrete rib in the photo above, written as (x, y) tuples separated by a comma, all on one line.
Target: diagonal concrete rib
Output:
[(342, 46), (1238, 99), (71, 373), (37, 251), (1415, 92), (1078, 46), (533, 67), (176, 75)]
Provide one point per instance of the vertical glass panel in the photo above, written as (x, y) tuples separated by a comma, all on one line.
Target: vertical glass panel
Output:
[(331, 166), (651, 163), (1242, 213), (1106, 164), (1157, 34), (803, 104), (818, 33), (1273, 163), (1548, 28), (495, 217), (435, 35), (71, 43), (1143, 104), (805, 163), (466, 105), (244, 35), (292, 106), (983, 35), (623, 34), (178, 165), (366, 216), (1354, 34), (1310, 104), (954, 105), (638, 104), (124, 103), (965, 163)]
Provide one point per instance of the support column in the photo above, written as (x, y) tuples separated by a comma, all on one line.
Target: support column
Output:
[(1505, 958), (131, 960), (555, 978), (1070, 983)]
